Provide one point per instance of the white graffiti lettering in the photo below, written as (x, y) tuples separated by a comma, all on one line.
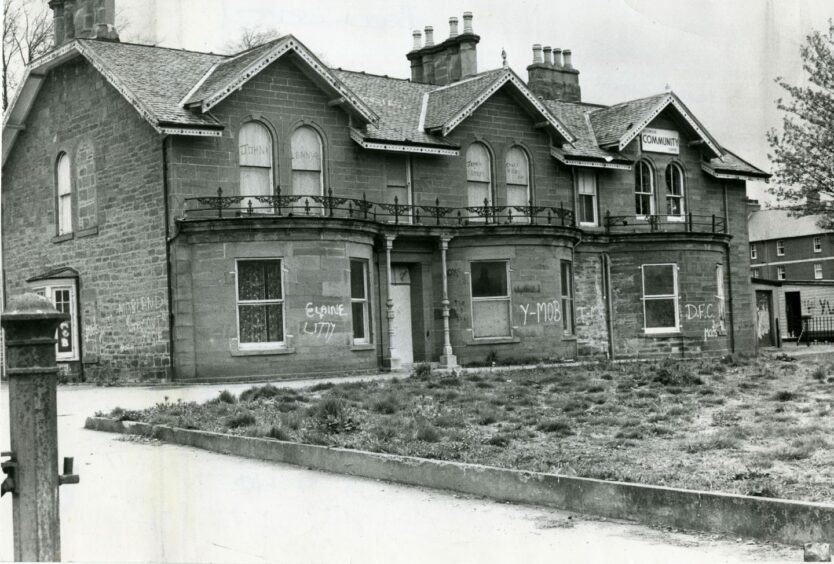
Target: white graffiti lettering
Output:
[(322, 311), (541, 312), (320, 329)]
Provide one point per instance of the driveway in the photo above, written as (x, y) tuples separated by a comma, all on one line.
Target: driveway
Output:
[(141, 501)]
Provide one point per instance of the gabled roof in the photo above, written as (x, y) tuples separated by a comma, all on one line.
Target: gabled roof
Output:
[(732, 167), (585, 149), (55, 273), (228, 75), (764, 225), (448, 106), (616, 126)]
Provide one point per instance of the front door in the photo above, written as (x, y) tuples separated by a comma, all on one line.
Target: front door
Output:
[(401, 294), (764, 319), (793, 311)]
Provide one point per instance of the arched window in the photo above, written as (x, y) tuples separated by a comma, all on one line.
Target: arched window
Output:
[(644, 189), (255, 150), (674, 191), (64, 185), (307, 178), (478, 176), (517, 169)]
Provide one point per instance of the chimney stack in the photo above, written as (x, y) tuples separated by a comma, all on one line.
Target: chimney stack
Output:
[(449, 61), (418, 40), (553, 77), (88, 19)]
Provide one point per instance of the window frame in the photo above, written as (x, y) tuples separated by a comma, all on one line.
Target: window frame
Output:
[(817, 271), (817, 244), (675, 297), (490, 184), (756, 273), (322, 160), (48, 291), (63, 198), (367, 319), (267, 344), (409, 189), (482, 299), (520, 217), (754, 255), (780, 247), (677, 169), (592, 174), (567, 298), (259, 208), (781, 273), (638, 184)]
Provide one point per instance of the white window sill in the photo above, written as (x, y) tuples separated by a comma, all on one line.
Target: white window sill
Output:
[(363, 347), (258, 350), (662, 332), (588, 224), (492, 341), (676, 218)]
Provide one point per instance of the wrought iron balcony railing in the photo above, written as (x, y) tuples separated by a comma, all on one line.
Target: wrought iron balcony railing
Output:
[(688, 223), (330, 206)]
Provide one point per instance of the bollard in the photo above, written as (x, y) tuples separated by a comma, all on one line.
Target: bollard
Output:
[(30, 323)]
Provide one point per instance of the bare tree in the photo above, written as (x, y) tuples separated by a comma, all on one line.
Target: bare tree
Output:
[(252, 36), (27, 34)]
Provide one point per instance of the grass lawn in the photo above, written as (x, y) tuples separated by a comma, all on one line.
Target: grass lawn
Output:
[(757, 427)]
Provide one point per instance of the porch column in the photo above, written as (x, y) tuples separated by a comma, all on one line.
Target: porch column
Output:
[(447, 359), (393, 356)]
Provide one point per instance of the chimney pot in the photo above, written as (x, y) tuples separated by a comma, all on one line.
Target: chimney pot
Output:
[(467, 22), (537, 53), (429, 36), (453, 27), (548, 58), (557, 57), (418, 40), (567, 55)]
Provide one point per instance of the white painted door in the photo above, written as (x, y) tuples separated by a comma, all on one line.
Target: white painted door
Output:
[(401, 294)]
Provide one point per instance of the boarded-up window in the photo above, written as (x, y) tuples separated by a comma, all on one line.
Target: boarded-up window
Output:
[(478, 176), (660, 297), (398, 183), (643, 189), (306, 164), (85, 186), (359, 301), (674, 191), (255, 158), (64, 185), (490, 299), (260, 302), (566, 280), (517, 169)]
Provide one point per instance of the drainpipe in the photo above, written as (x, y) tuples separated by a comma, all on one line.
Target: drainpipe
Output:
[(609, 310), (168, 240), (448, 359), (393, 355), (732, 332)]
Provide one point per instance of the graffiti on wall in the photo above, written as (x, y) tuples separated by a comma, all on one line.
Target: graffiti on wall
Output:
[(818, 306), (548, 312), (713, 315), (322, 320)]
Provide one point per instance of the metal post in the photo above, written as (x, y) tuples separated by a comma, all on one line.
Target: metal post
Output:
[(447, 359), (33, 479), (393, 355)]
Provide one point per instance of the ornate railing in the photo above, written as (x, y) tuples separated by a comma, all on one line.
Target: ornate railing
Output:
[(330, 206), (689, 223)]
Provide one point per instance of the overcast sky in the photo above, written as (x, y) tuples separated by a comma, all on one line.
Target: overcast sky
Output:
[(719, 56)]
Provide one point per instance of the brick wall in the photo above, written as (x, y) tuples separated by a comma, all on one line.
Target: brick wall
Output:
[(799, 249), (118, 243)]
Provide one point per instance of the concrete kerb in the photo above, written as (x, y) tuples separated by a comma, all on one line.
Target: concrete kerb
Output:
[(779, 520)]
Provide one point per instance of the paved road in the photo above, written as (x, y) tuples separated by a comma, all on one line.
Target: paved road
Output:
[(145, 502)]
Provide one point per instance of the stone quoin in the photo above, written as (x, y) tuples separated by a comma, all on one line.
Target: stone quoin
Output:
[(264, 215)]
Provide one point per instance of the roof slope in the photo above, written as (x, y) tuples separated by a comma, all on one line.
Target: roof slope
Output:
[(576, 117), (159, 77), (612, 123), (446, 101), (763, 225)]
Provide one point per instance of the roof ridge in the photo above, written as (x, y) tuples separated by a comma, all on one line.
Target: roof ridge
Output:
[(623, 103), (178, 50), (375, 75), (230, 58)]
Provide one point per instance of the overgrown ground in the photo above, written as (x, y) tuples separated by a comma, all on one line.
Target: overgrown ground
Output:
[(759, 427)]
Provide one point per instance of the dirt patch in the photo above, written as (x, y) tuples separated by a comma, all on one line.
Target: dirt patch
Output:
[(761, 427)]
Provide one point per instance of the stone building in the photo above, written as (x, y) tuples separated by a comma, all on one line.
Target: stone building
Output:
[(204, 216), (792, 266)]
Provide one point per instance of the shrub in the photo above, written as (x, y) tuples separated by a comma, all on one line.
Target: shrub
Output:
[(556, 426), (819, 373), (332, 416), (422, 371), (259, 392), (784, 395), (387, 405), (226, 397), (321, 387), (491, 358), (487, 418), (240, 420), (671, 373), (278, 433), (498, 440), (428, 434)]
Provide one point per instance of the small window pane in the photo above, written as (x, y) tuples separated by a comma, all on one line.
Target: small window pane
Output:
[(660, 313), (517, 168), (357, 279), (489, 279), (395, 171), (306, 149), (255, 182), (477, 193), (273, 279), (255, 145), (566, 278), (251, 278), (261, 323), (306, 183), (63, 173), (586, 209), (658, 280), (517, 195), (477, 163), (358, 312), (491, 318)]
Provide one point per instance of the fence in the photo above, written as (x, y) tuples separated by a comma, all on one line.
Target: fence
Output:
[(816, 329), (688, 223)]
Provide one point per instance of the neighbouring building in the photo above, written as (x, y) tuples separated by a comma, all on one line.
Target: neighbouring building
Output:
[(204, 216), (792, 266)]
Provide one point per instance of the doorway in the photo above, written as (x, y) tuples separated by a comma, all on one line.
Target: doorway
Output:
[(793, 311), (401, 295), (764, 318)]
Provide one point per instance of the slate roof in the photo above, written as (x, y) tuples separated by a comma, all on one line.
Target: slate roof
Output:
[(159, 77), (398, 104), (763, 225), (611, 123), (446, 101), (577, 118), (731, 163)]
